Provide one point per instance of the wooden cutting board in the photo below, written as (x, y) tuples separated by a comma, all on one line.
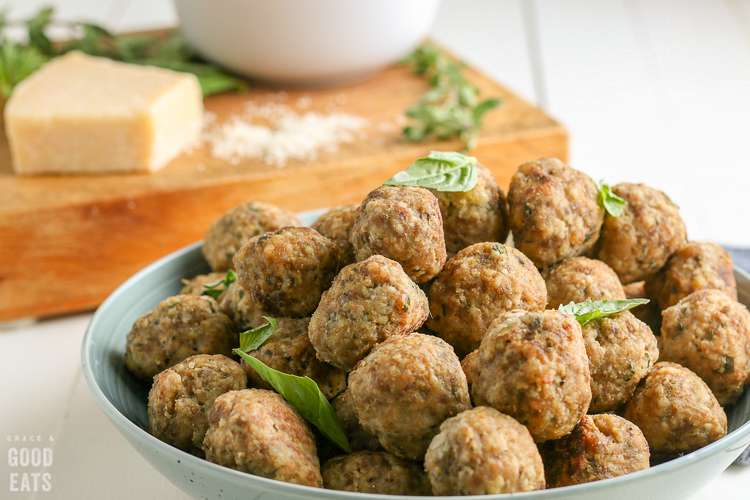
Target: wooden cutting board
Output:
[(66, 242)]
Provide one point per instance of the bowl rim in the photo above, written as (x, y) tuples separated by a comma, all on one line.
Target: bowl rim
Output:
[(126, 426)]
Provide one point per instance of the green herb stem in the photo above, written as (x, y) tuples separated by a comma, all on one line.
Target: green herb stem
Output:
[(451, 107)]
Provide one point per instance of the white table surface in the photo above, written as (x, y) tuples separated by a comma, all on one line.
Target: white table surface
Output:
[(651, 91)]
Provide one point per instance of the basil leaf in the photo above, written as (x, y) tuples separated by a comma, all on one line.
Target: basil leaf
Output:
[(612, 203), (441, 170), (303, 393), (213, 290), (253, 339), (593, 309)]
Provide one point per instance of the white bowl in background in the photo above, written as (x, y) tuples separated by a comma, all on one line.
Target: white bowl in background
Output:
[(305, 42)]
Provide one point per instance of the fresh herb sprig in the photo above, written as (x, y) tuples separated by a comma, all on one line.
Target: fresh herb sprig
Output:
[(612, 203), (253, 339), (451, 107), (593, 309), (301, 392), (214, 290), (18, 60), (441, 170)]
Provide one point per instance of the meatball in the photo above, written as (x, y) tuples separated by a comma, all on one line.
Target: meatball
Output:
[(554, 211), (675, 410), (375, 472), (176, 329), (600, 447), (402, 223), (694, 266), (709, 333), (288, 270), (483, 452), (257, 431), (638, 242), (474, 216), (181, 396), (479, 283), (404, 389), (336, 225), (621, 350), (195, 285), (230, 231), (241, 308), (289, 350), (368, 302), (579, 279), (359, 438), (533, 367)]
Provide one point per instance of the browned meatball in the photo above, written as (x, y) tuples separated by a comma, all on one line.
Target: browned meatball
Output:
[(368, 302), (288, 270), (579, 279), (479, 283), (474, 216), (638, 242), (289, 350), (483, 452), (404, 389), (533, 367), (709, 333), (621, 351), (230, 231), (375, 472), (675, 410), (359, 438), (336, 225), (179, 327), (694, 266), (241, 308), (554, 211), (257, 431), (181, 396), (402, 223), (600, 447), (195, 285)]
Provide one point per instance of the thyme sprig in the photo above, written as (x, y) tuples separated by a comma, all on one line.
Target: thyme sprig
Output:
[(451, 107)]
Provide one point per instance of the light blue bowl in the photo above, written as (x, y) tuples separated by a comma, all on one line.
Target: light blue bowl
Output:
[(123, 399)]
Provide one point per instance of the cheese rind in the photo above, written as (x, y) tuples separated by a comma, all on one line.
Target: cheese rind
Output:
[(84, 114)]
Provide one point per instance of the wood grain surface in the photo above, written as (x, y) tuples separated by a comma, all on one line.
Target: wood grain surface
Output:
[(66, 242)]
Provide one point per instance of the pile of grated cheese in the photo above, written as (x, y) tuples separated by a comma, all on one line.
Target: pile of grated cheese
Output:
[(276, 134)]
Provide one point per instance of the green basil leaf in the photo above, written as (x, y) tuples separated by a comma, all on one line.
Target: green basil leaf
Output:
[(441, 170), (213, 290), (303, 393), (253, 339), (593, 309), (612, 203)]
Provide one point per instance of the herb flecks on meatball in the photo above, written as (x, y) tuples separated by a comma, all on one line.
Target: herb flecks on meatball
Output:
[(479, 283), (402, 223), (368, 302), (554, 211), (179, 327), (229, 232), (288, 270)]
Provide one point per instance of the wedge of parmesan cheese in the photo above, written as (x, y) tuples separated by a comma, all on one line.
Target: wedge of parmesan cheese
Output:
[(84, 114)]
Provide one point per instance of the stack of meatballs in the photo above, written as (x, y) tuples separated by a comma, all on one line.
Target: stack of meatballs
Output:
[(439, 342)]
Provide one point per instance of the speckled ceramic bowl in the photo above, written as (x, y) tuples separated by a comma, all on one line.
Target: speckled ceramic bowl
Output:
[(123, 399)]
